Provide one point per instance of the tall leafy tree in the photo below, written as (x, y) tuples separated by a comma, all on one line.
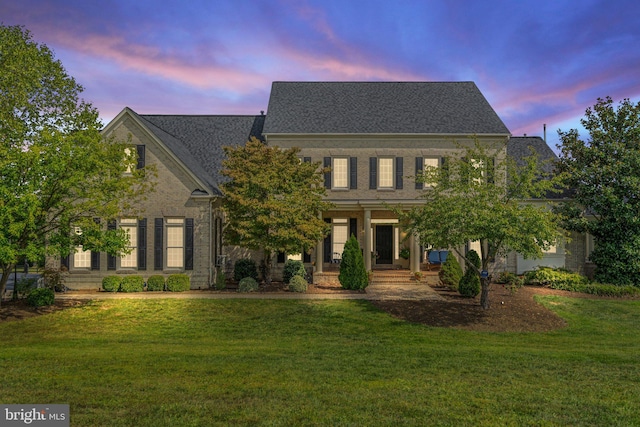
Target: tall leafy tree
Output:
[(482, 195), (56, 170), (272, 200), (604, 173)]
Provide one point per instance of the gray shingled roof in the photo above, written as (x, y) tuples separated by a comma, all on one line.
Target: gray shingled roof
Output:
[(380, 108), (198, 140)]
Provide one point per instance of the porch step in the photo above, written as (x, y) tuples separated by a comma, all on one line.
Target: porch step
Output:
[(384, 277)]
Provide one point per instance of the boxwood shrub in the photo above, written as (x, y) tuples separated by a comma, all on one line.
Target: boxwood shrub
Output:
[(298, 284), (178, 283), (41, 297), (132, 284), (155, 283), (292, 268), (248, 284), (111, 283), (245, 267)]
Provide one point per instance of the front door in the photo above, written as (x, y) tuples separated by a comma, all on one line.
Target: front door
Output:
[(384, 244)]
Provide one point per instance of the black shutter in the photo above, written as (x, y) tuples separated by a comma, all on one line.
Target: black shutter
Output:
[(419, 168), (353, 227), (142, 244), (111, 260), (306, 257), (280, 259), (64, 261), (307, 160), (399, 172), (158, 260), (373, 173), (444, 167), (188, 250), (353, 172), (327, 243), (491, 166), (141, 154), (95, 256), (327, 175)]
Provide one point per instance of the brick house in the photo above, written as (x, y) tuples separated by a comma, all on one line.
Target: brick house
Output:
[(374, 136)]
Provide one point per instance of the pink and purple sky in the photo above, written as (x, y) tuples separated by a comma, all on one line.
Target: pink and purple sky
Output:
[(536, 61)]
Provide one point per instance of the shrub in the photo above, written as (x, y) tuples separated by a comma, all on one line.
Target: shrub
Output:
[(111, 283), (54, 279), (24, 287), (558, 278), (221, 280), (178, 283), (353, 274), (245, 268), (132, 284), (41, 297), (469, 285), (509, 281), (298, 284), (292, 268), (155, 283), (450, 273), (248, 284)]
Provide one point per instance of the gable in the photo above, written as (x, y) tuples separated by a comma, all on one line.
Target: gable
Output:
[(431, 108)]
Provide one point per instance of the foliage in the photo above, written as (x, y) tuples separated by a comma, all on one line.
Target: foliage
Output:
[(24, 287), (221, 279), (111, 283), (546, 276), (245, 267), (58, 172), (41, 297), (178, 283), (54, 278), (293, 268), (272, 200), (155, 283), (353, 274), (477, 195), (132, 283), (469, 285), (450, 273), (603, 174), (510, 281), (405, 253), (248, 284), (298, 284)]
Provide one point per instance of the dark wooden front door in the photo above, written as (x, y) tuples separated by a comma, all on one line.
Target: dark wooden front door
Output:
[(384, 244)]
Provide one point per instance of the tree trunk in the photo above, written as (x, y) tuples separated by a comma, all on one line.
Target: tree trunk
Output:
[(484, 294), (267, 267), (3, 280)]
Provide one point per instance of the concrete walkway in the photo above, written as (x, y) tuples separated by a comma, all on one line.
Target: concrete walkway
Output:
[(414, 291)]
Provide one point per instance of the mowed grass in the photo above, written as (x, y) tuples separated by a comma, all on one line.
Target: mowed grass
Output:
[(269, 362)]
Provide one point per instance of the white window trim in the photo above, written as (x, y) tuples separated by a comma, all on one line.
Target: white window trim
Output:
[(391, 178), (174, 249), (342, 224), (335, 178), (81, 258), (426, 162), (130, 261)]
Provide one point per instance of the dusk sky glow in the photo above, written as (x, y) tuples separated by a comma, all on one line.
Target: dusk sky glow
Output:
[(536, 61)]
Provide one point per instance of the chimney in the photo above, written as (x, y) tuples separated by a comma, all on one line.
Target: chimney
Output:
[(544, 127)]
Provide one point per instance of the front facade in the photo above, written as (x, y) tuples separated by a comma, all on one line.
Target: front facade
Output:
[(375, 137)]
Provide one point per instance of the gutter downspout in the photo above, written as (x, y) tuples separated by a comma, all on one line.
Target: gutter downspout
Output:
[(210, 238)]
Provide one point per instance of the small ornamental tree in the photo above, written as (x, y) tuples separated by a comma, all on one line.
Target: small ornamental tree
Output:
[(469, 285), (603, 174), (480, 194), (353, 274), (272, 200), (450, 273)]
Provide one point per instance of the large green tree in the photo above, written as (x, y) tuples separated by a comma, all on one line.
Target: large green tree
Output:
[(482, 195), (56, 170), (603, 172), (272, 200)]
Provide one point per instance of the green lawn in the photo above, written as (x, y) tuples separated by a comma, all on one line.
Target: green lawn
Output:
[(271, 362)]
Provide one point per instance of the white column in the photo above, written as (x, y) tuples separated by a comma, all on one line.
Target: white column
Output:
[(319, 253), (367, 239), (414, 257)]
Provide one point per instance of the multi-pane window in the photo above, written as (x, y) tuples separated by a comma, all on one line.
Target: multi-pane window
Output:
[(479, 170), (340, 173), (340, 234), (130, 226), (430, 163), (385, 172), (175, 242), (81, 258)]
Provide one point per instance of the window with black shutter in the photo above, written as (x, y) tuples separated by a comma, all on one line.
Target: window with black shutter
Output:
[(373, 173), (158, 257), (111, 260), (399, 172), (353, 173), (142, 244), (188, 248), (95, 256), (141, 156), (419, 168), (327, 175)]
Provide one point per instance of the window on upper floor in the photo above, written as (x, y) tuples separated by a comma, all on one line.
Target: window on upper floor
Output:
[(385, 173), (425, 164), (343, 174), (140, 156)]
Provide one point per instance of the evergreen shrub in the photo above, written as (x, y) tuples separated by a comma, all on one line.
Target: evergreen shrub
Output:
[(111, 283), (155, 283), (245, 267), (41, 297), (132, 284), (353, 274), (292, 268), (248, 284), (221, 280), (450, 273), (178, 283), (469, 285), (298, 284)]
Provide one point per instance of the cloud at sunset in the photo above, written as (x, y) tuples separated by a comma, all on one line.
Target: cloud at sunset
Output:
[(536, 62)]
